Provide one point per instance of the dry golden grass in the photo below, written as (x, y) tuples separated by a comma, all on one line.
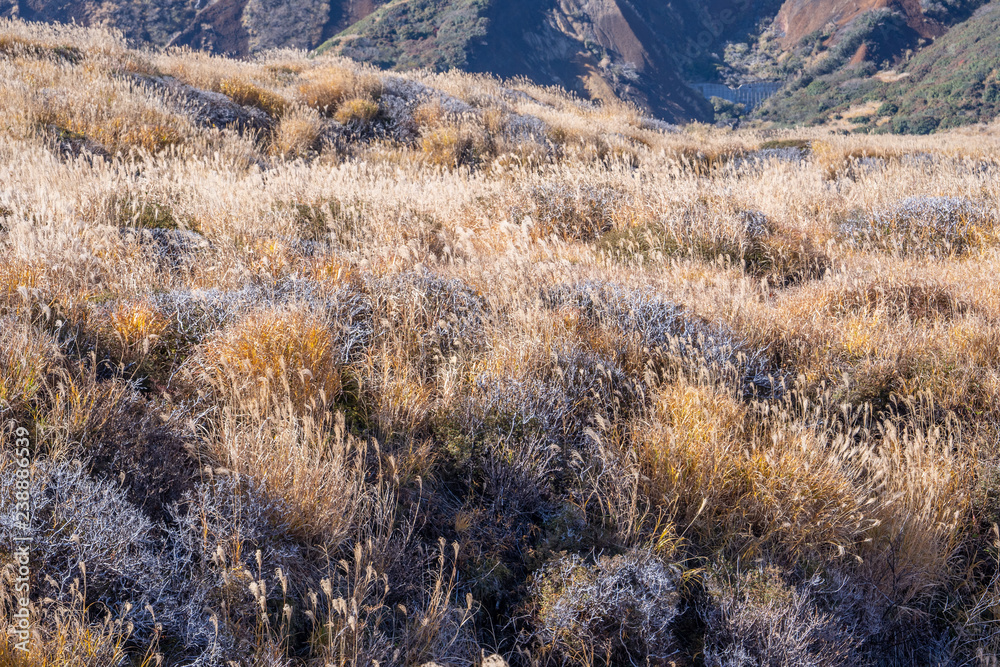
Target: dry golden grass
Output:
[(356, 111), (114, 114), (28, 357), (269, 356), (248, 93), (722, 473), (298, 133), (326, 88), (763, 366)]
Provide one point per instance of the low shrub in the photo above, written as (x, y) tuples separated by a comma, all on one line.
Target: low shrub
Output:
[(757, 619), (670, 341), (121, 435), (617, 610), (778, 144), (933, 225), (131, 211), (227, 535), (582, 213), (90, 542)]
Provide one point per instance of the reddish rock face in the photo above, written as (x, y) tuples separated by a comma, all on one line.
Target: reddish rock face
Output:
[(355, 10)]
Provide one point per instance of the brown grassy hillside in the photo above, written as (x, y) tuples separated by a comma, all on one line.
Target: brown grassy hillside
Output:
[(325, 365)]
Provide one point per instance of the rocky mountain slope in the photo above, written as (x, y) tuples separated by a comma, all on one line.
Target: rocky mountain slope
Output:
[(601, 49), (638, 50), (236, 27)]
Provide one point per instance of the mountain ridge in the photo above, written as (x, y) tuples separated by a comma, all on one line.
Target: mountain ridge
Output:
[(640, 51)]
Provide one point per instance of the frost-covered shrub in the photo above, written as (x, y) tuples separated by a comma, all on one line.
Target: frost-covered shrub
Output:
[(191, 576), (671, 337), (520, 128), (948, 225), (658, 125), (87, 537), (619, 610), (199, 312), (554, 403), (761, 158), (760, 621), (520, 440), (227, 533), (756, 224), (397, 112), (523, 437), (170, 249), (446, 316), (628, 311), (407, 89)]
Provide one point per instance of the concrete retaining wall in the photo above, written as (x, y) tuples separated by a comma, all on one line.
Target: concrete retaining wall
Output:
[(750, 94)]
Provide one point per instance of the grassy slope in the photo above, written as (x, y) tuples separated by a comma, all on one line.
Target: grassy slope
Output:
[(957, 79), (405, 34), (952, 82)]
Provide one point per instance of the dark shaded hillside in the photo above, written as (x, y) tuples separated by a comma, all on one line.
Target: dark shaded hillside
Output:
[(236, 27), (602, 49), (142, 19), (218, 27), (612, 52)]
